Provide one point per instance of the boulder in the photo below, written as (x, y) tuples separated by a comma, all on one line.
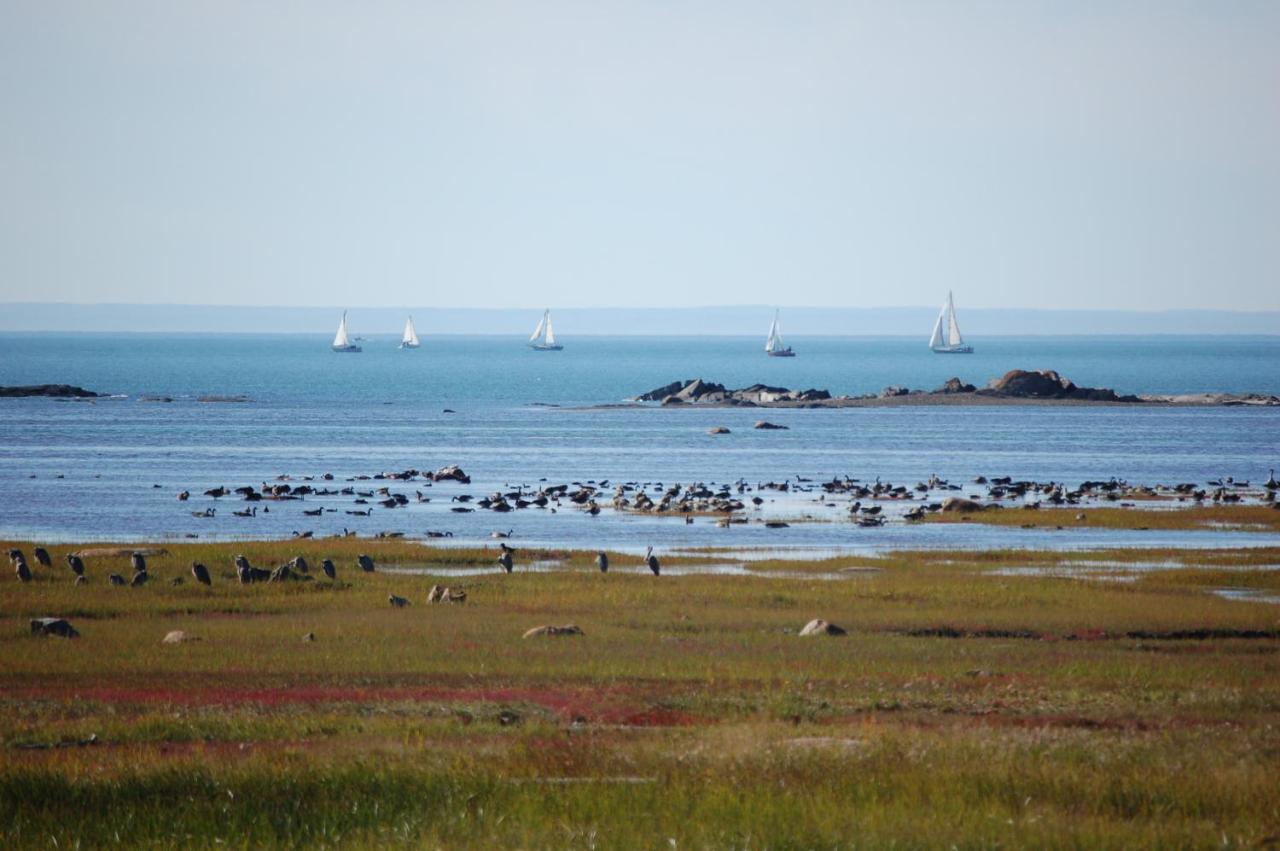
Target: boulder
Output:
[(960, 505), (765, 425), (178, 637), (451, 473), (697, 390), (955, 385), (719, 430), (566, 629), (818, 626), (53, 626), (660, 393)]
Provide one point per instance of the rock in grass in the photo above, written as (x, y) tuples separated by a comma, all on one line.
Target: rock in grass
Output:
[(566, 629), (818, 626), (178, 637), (53, 626)]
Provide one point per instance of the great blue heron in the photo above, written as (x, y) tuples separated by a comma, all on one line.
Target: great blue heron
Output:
[(42, 557), (602, 561), (328, 568), (651, 561), (201, 573), (366, 563), (506, 561)]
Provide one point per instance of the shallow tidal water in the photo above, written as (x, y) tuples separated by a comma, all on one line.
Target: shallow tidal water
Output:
[(87, 470)]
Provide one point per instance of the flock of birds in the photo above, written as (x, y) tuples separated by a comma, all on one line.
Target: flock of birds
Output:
[(725, 501), (295, 568)]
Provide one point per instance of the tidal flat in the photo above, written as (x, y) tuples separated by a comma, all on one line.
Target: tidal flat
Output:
[(964, 706)]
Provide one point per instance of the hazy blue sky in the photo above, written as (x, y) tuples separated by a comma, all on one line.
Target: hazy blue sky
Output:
[(1026, 154)]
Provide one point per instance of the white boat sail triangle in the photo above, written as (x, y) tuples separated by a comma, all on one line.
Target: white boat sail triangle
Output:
[(341, 341), (774, 347), (409, 340), (946, 338), (543, 338)]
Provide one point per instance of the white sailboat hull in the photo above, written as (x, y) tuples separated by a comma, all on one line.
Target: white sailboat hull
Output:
[(781, 353), (953, 350), (350, 347), (543, 347)]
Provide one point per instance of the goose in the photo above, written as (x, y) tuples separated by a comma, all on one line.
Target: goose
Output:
[(506, 561), (651, 561), (602, 561), (139, 579), (76, 564), (1271, 483), (365, 563), (501, 535), (328, 568), (21, 570), (201, 573), (42, 557), (397, 602), (139, 562)]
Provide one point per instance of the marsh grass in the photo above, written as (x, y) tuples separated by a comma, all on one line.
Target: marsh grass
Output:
[(690, 712), (1261, 518)]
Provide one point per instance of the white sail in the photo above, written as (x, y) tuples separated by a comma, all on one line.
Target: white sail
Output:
[(542, 323), (550, 338), (935, 339), (775, 337), (953, 328), (340, 340), (410, 338)]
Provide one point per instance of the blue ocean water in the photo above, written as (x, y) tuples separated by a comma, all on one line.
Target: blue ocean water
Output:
[(87, 470)]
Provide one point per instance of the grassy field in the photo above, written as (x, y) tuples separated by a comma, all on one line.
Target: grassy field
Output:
[(964, 708), (1261, 518)]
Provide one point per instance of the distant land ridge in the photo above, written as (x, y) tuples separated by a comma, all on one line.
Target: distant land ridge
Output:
[(731, 320)]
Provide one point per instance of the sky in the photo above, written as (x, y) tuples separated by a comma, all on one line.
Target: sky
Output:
[(1053, 155)]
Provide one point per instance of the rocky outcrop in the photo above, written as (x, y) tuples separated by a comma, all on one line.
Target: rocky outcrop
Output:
[(818, 626), (765, 425), (452, 473), (1047, 384), (955, 385), (56, 391), (696, 391)]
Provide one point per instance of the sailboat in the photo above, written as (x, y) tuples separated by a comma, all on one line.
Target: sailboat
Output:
[(341, 342), (774, 347), (543, 338), (410, 338), (946, 339)]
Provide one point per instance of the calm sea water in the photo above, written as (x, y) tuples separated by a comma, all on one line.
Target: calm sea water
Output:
[(78, 470)]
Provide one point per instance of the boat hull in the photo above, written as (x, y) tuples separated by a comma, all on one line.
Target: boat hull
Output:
[(545, 348), (409, 345), (346, 349), (781, 353), (953, 350)]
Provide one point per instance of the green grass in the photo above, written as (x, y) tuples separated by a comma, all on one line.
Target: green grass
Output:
[(690, 714)]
